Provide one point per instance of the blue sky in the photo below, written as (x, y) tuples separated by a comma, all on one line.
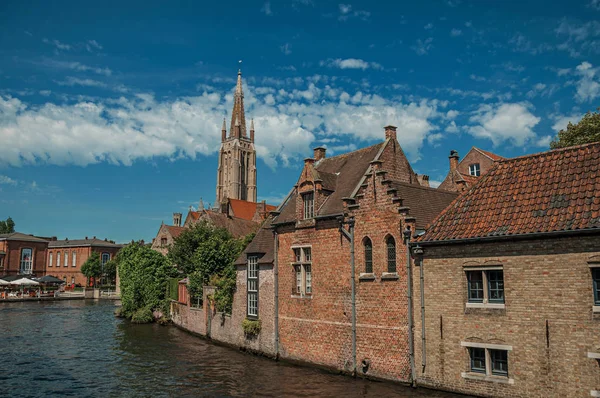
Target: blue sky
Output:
[(110, 114)]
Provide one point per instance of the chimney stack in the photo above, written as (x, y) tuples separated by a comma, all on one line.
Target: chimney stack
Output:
[(453, 160), (319, 153), (308, 161), (390, 132), (177, 219)]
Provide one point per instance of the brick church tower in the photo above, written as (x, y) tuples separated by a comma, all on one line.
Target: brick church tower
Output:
[(236, 175)]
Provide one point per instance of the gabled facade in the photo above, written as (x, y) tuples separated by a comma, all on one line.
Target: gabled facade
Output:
[(22, 254), (512, 281), (368, 197), (166, 235), (465, 173)]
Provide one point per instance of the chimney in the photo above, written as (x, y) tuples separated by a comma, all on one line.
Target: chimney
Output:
[(177, 219), (92, 238), (390, 132), (308, 161), (319, 153), (424, 180), (453, 160), (86, 238)]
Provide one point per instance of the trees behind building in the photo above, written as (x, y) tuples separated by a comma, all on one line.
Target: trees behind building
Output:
[(583, 132), (7, 227)]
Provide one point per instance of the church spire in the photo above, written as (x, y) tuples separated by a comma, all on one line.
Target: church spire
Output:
[(224, 131), (237, 115)]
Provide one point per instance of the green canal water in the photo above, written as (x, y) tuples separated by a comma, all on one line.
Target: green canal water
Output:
[(78, 348)]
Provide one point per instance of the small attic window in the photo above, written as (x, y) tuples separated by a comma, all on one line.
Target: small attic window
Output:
[(474, 170), (309, 204)]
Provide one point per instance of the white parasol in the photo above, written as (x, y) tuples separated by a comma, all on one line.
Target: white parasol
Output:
[(24, 282)]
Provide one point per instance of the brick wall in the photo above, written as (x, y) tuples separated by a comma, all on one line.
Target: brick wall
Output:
[(12, 260), (545, 280), (474, 156), (72, 272), (188, 318)]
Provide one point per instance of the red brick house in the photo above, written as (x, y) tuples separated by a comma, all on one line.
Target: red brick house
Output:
[(65, 257), (465, 173), (512, 281), (368, 197), (22, 254), (166, 235)]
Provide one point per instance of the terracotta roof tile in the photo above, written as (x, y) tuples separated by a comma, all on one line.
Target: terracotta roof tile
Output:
[(246, 210), (238, 227), (175, 231), (552, 191), (490, 155)]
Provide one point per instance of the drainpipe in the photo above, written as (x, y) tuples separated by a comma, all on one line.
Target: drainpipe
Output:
[(350, 236), (418, 253), (411, 343), (276, 286)]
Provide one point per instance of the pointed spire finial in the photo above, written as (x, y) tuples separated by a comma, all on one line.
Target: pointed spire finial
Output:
[(252, 124), (224, 128), (201, 205)]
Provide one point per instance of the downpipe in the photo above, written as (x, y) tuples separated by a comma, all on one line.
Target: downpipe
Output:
[(350, 236), (418, 255), (276, 287), (411, 344)]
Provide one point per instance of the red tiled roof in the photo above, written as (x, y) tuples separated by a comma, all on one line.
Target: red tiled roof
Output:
[(490, 155), (552, 191), (175, 231), (246, 210)]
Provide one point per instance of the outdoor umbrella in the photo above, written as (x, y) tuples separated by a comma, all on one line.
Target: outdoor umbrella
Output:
[(24, 282), (3, 282), (50, 279)]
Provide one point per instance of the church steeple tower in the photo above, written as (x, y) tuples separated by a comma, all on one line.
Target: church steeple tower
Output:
[(236, 175)]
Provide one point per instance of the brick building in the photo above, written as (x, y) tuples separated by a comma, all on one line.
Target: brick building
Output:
[(511, 281), (65, 257), (166, 234), (22, 254), (465, 173), (369, 196)]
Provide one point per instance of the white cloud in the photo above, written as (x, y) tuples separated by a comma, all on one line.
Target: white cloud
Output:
[(422, 47), (455, 32), (57, 44), (74, 81), (347, 13), (595, 4), (286, 49), (92, 44), (511, 122), (588, 86), (520, 43), (139, 128), (428, 26), (45, 93), (477, 78), (544, 141), (7, 180), (266, 8), (561, 121), (350, 63), (580, 37), (77, 66)]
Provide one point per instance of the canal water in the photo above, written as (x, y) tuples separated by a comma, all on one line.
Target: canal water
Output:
[(78, 348)]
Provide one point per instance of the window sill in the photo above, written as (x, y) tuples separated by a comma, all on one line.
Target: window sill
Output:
[(486, 305), (366, 276), (301, 296), (596, 309), (482, 377), (390, 276), (595, 393), (593, 355)]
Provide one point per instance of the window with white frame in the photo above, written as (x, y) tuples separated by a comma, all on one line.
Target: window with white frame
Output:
[(485, 286), (58, 259), (66, 258), (252, 276), (105, 258), (488, 359), (26, 261), (309, 204), (474, 170), (73, 258), (302, 271), (72, 280), (50, 260)]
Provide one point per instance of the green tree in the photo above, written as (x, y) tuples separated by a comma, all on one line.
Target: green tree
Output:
[(144, 275), (92, 268), (583, 132), (110, 271), (7, 227)]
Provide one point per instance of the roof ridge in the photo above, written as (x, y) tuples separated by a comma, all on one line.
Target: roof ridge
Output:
[(488, 153), (538, 154), (423, 188), (347, 153)]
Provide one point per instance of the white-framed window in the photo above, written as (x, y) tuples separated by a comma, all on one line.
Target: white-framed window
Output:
[(252, 279), (50, 259), (72, 280), (487, 360), (105, 258), (309, 204), (485, 287), (73, 258), (58, 259), (66, 258), (26, 261), (474, 170), (302, 271)]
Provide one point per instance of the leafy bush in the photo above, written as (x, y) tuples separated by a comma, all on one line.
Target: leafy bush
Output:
[(225, 288), (119, 312), (250, 327), (92, 268), (142, 315), (144, 275)]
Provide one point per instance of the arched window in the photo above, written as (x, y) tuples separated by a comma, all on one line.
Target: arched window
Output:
[(368, 255), (391, 253)]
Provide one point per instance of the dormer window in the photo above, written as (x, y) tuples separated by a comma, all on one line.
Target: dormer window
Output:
[(309, 204), (474, 170)]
